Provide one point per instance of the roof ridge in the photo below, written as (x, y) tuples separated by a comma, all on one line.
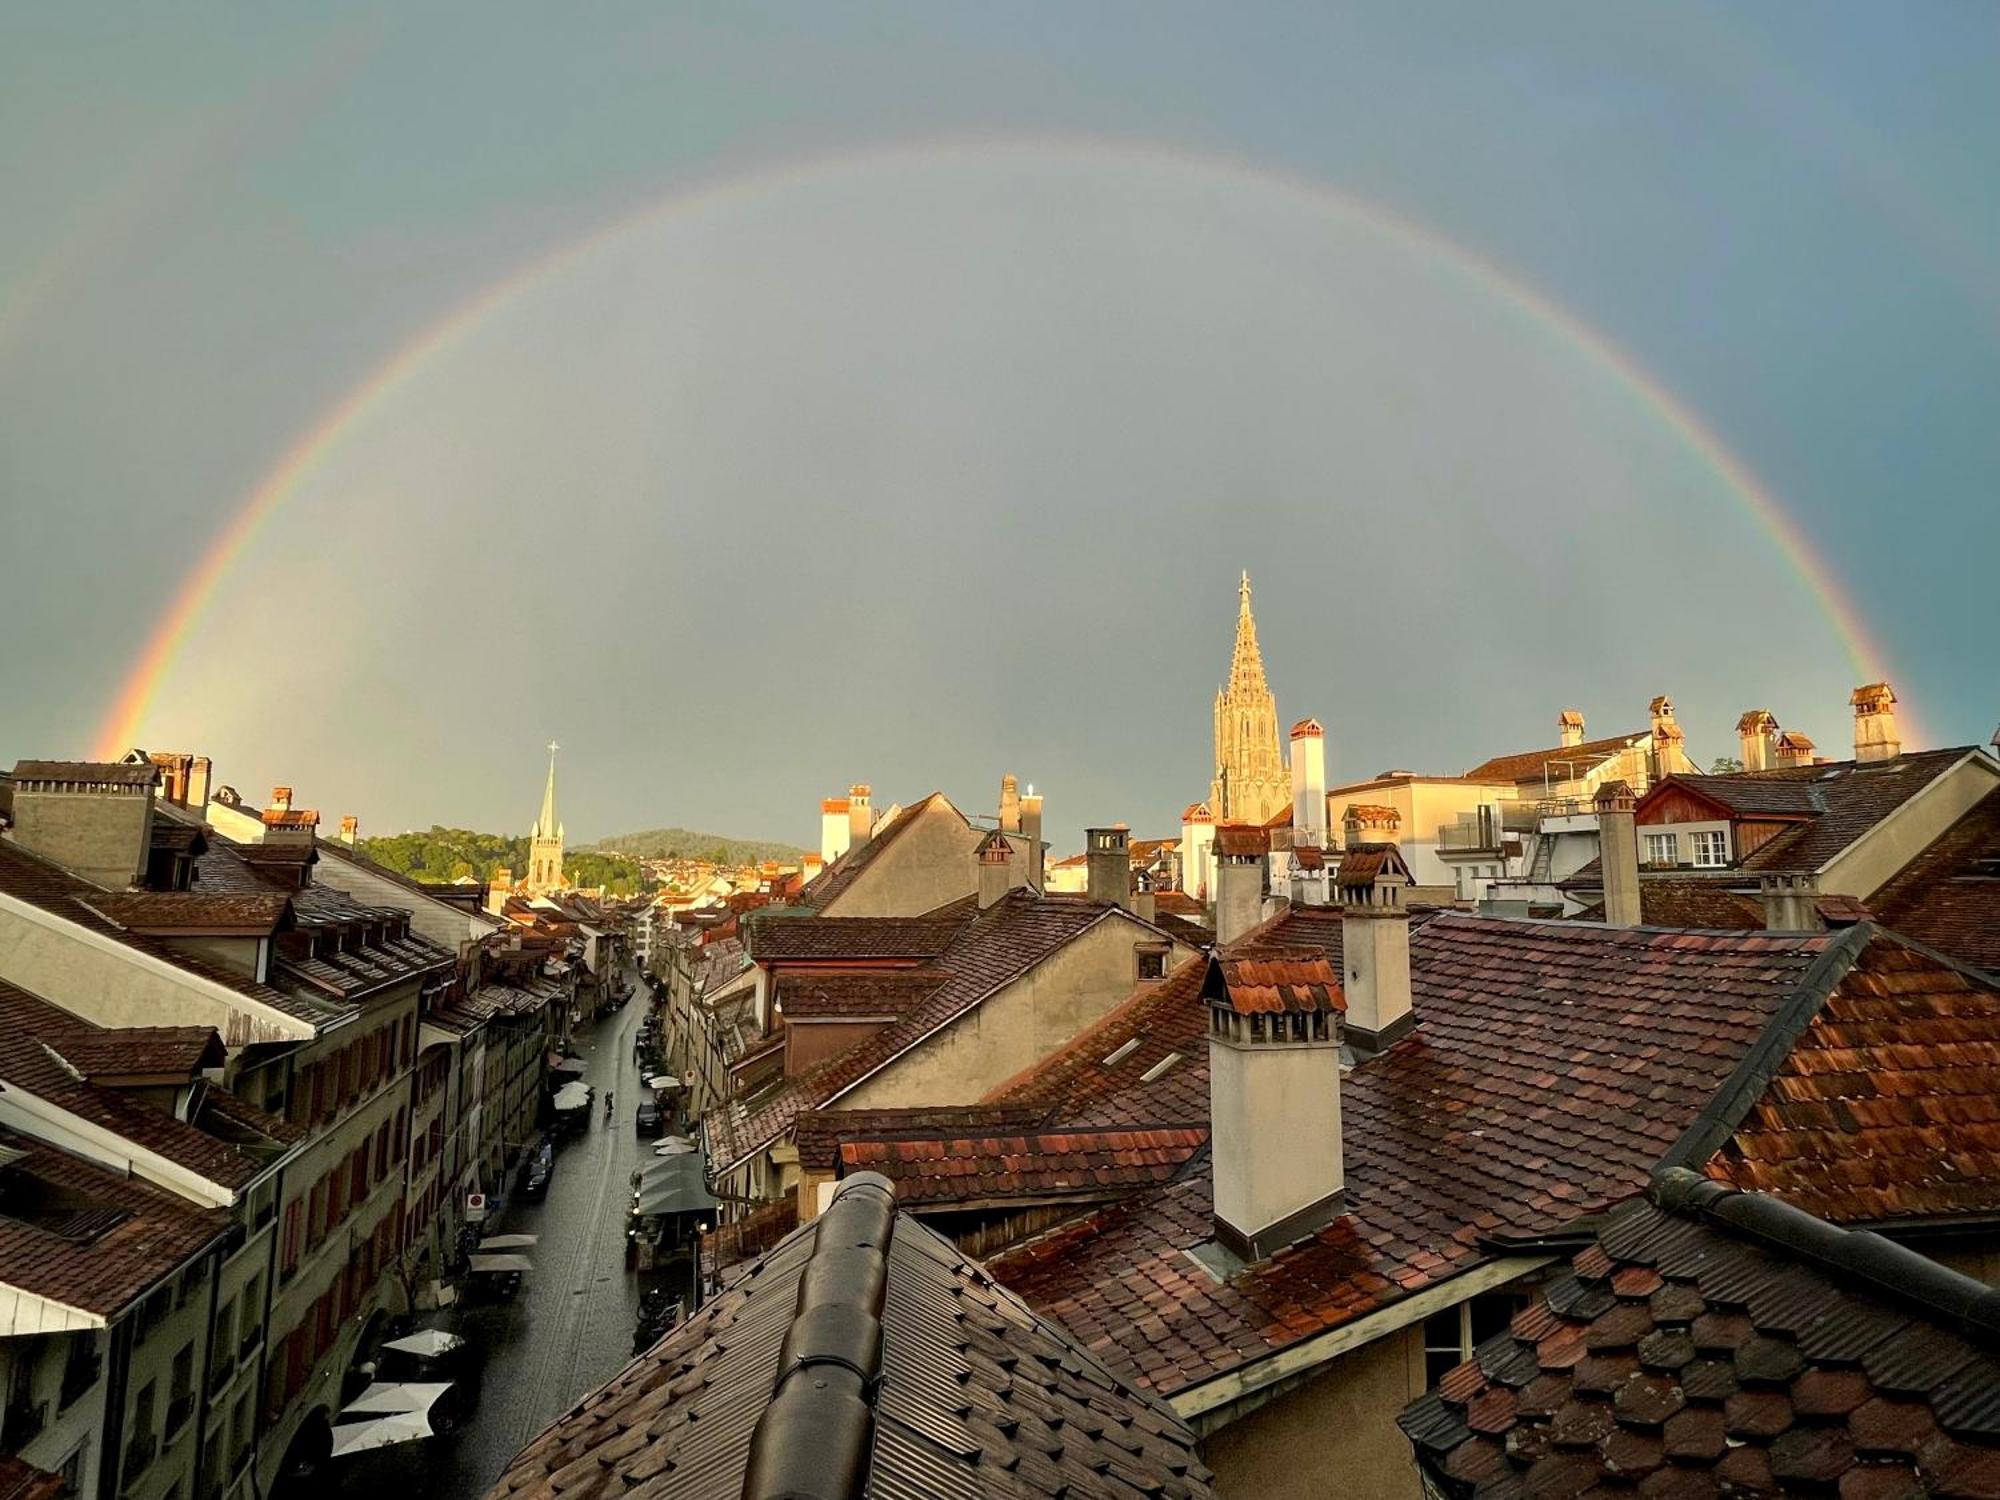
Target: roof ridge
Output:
[(1885, 1267), (815, 1439)]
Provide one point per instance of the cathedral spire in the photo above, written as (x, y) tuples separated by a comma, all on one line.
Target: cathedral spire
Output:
[(546, 826), (545, 845), (1251, 783), (1246, 662)]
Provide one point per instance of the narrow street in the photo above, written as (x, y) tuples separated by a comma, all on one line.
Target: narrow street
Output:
[(570, 1328)]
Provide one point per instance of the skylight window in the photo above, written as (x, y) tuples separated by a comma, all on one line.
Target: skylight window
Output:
[(1159, 1068), (1121, 1053)]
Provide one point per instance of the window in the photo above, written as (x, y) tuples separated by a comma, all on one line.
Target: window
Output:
[(1711, 849), (1451, 1336), (1663, 849), (1152, 963)]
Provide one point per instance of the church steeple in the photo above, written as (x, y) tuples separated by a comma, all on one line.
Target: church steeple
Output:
[(1251, 783), (546, 826), (545, 843)]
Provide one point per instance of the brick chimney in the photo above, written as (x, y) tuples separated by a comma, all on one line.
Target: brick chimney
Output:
[(93, 818), (1274, 1037), (350, 829), (1308, 784), (995, 858), (860, 815), (1791, 903), (1569, 728), (1793, 749), (1373, 882), (833, 828), (1031, 830), (1618, 854), (1010, 804), (1240, 865), (1756, 738), (1875, 736), (1107, 864)]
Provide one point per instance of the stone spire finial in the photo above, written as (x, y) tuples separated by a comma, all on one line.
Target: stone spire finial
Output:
[(546, 826)]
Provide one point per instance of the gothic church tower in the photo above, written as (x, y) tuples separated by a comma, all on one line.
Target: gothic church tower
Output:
[(1251, 782), (545, 844)]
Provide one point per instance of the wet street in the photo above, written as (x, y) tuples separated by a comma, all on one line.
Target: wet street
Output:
[(570, 1328)]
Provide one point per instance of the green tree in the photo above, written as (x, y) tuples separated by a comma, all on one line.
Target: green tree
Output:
[(1724, 765)]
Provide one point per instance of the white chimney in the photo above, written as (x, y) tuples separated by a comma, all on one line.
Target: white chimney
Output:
[(1240, 853), (1794, 749), (1569, 727), (1107, 864), (1875, 736), (1756, 736), (350, 829), (860, 815), (1375, 946), (1308, 785), (1618, 854), (1198, 852), (1669, 739), (1031, 830), (1010, 804), (1791, 903), (834, 828), (1274, 1098), (995, 857)]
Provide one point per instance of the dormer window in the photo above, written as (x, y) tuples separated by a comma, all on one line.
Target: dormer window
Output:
[(1710, 848), (1663, 850)]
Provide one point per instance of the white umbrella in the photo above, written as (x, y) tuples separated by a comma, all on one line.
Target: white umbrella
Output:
[(573, 1096), (426, 1343), (500, 1263), (674, 1148), (507, 1242), (663, 1081), (381, 1399), (400, 1427), (680, 1141)]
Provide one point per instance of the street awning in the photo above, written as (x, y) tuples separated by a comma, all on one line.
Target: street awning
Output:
[(573, 1096), (382, 1432), (495, 1242), (571, 1065), (426, 1343), (663, 1081), (385, 1397), (484, 1263), (672, 1185)]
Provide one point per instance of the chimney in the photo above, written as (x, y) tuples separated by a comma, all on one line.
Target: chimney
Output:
[(1669, 740), (1240, 850), (95, 819), (1308, 784), (1010, 804), (281, 799), (1368, 823), (1875, 735), (860, 816), (1273, 1098), (1375, 947), (1107, 860), (1756, 735), (1197, 851), (1569, 727), (1791, 903), (833, 829), (1794, 749), (350, 829), (199, 776), (1618, 854), (995, 857), (1031, 830)]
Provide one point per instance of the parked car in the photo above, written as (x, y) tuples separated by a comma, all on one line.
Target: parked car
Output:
[(648, 1121), (532, 1178)]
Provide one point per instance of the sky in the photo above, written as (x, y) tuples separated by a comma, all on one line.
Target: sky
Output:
[(757, 399)]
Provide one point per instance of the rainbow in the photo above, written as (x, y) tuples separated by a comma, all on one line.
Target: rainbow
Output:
[(124, 723)]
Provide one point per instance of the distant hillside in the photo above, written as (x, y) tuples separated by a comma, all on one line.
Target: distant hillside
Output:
[(446, 854), (685, 843)]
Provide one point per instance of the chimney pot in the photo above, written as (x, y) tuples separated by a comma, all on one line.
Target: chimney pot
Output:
[(1618, 854), (860, 815), (1240, 876), (1875, 734), (1108, 865), (1756, 734), (1375, 947), (1569, 727)]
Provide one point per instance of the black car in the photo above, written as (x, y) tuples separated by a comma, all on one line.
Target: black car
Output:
[(648, 1120), (532, 1179)]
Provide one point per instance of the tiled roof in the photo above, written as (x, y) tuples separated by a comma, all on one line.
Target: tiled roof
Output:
[(1784, 793), (1181, 930), (1177, 903), (978, 1397), (1242, 839), (1887, 1107), (839, 996), (1732, 1348), (1949, 896), (87, 772), (20, 1480), (809, 939), (255, 913), (964, 1170), (996, 947), (819, 1132), (36, 1039), (1858, 795), (1554, 1066), (63, 895), (87, 1238), (1261, 980), (1560, 762), (833, 881), (139, 1051), (1666, 901)]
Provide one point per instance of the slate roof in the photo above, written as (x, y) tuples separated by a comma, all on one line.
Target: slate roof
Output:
[(774, 940), (1727, 1346), (1562, 762), (36, 1043), (995, 947), (250, 913), (1857, 795), (87, 772), (964, 1170), (819, 1132), (1949, 896), (978, 1396), (1668, 901), (832, 882), (87, 1238), (842, 996)]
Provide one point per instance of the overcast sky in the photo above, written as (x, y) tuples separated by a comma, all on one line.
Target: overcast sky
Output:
[(894, 393)]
